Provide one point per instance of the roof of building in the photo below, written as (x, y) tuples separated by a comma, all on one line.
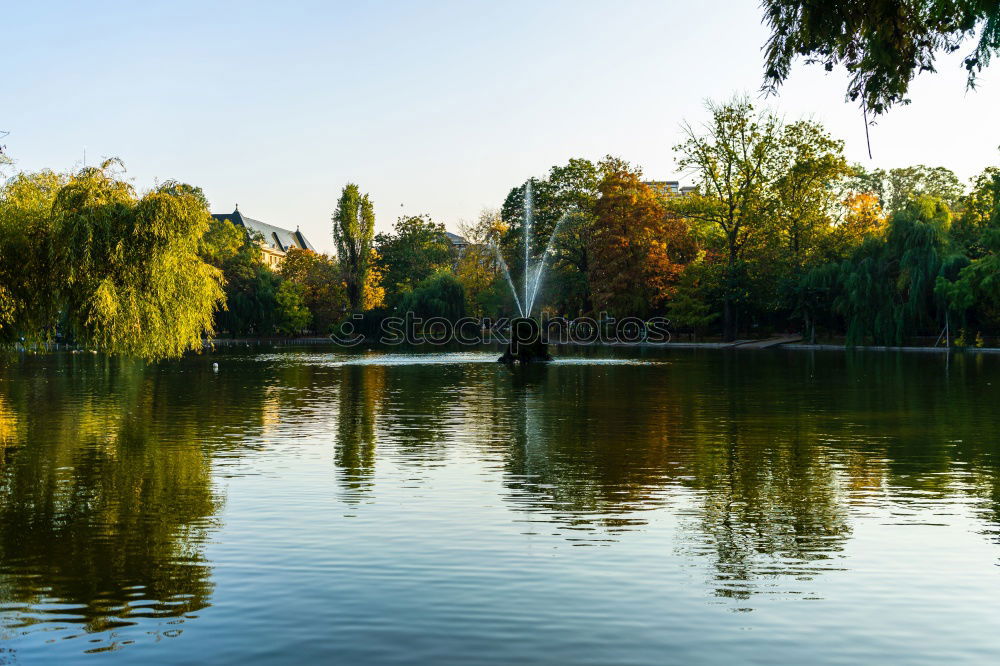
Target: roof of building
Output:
[(274, 237), (668, 187), (455, 239)]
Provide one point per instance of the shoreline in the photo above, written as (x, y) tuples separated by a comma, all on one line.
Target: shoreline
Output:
[(753, 345), (738, 345)]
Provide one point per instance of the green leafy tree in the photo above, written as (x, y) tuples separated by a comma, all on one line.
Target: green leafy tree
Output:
[(486, 293), (416, 249), (29, 303), (817, 291), (292, 314), (221, 242), (114, 272), (896, 187), (888, 288), (805, 192), (567, 197), (974, 295), (353, 232), (908, 183), (735, 159), (883, 44), (134, 282), (805, 199), (440, 295), (251, 287), (318, 277), (980, 214), (691, 307), (251, 301)]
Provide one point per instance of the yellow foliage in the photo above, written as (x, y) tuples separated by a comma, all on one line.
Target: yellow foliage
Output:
[(373, 293), (864, 218)]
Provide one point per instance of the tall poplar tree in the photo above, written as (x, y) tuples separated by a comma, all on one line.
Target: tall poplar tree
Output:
[(353, 231)]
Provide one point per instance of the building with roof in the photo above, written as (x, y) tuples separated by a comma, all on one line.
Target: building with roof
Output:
[(664, 187), (669, 187), (458, 247), (457, 242), (274, 241)]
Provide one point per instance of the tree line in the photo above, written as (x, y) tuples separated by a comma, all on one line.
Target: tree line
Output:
[(780, 233)]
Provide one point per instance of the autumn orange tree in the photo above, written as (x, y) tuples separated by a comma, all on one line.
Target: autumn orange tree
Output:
[(637, 248)]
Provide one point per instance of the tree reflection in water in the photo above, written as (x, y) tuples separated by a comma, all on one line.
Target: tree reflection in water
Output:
[(757, 465), (762, 463), (104, 515)]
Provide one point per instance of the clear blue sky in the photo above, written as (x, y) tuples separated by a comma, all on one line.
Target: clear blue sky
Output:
[(438, 106)]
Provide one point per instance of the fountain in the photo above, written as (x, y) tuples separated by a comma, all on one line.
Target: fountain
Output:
[(527, 342)]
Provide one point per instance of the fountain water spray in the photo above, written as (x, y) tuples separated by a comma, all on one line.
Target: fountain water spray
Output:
[(528, 206), (532, 273), (537, 349), (540, 266), (506, 274)]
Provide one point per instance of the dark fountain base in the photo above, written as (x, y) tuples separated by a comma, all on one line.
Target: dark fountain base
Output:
[(532, 352)]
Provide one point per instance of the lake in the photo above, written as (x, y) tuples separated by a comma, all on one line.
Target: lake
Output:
[(309, 504)]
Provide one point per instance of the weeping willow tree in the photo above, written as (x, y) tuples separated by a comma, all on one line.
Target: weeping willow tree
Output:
[(440, 295), (134, 280), (887, 288), (816, 291), (111, 271), (973, 296), (28, 311)]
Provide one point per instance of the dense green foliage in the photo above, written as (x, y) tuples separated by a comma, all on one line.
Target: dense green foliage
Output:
[(779, 233), (896, 187), (888, 285), (353, 231), (440, 295), (27, 308), (567, 196), (85, 261), (306, 293), (883, 44), (111, 271), (416, 249), (317, 276)]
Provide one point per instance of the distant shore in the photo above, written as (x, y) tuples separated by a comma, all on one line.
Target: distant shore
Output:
[(738, 345)]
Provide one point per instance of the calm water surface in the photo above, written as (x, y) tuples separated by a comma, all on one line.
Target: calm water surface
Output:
[(310, 505)]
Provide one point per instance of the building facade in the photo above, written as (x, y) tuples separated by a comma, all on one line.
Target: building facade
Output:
[(274, 241), (669, 187)]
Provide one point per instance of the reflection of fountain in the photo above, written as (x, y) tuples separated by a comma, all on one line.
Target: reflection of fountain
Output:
[(536, 348)]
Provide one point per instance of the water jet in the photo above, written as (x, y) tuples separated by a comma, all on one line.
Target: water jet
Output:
[(532, 347)]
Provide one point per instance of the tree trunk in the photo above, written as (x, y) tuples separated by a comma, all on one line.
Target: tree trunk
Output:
[(728, 311), (728, 321)]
